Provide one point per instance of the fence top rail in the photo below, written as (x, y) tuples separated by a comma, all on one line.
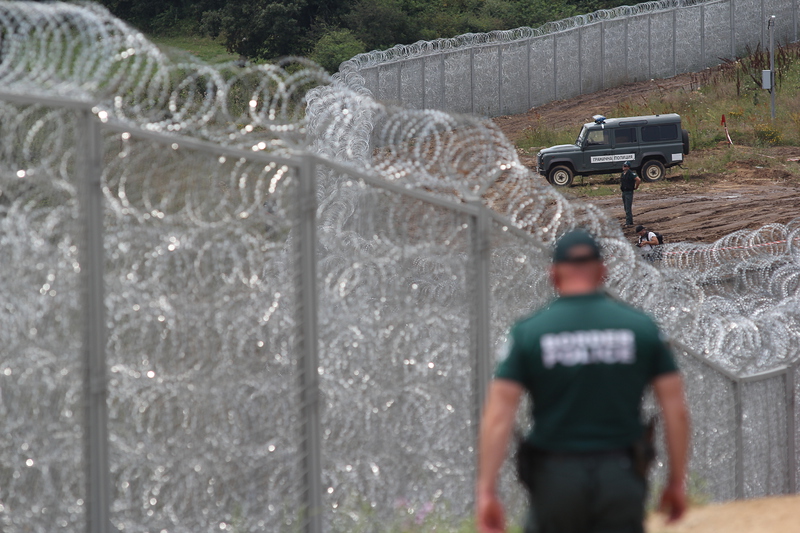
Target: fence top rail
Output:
[(761, 376), (45, 99), (291, 159)]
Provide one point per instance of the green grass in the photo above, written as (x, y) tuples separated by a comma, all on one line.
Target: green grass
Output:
[(729, 90), (205, 48)]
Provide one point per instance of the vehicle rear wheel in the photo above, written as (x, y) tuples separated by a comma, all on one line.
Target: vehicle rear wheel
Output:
[(685, 139), (652, 170), (560, 176)]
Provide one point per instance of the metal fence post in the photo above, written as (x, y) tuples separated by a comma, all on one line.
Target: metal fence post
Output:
[(422, 82), (580, 60), (472, 79), (95, 383), (738, 410), (732, 5), (528, 67), (400, 81), (791, 425), (310, 438), (481, 259), (649, 46), (500, 79), (442, 81), (674, 41), (703, 35), (555, 66), (602, 54)]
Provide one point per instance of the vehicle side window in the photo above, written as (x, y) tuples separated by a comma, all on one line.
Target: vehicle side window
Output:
[(663, 132), (624, 136), (597, 137)]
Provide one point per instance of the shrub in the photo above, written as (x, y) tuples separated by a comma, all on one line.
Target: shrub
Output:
[(767, 134), (336, 46)]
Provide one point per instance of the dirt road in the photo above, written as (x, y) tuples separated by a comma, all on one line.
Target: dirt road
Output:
[(766, 515), (739, 188)]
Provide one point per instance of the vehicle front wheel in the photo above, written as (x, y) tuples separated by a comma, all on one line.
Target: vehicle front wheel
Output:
[(560, 176), (652, 170)]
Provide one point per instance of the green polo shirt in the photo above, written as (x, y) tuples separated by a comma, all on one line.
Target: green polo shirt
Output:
[(585, 361)]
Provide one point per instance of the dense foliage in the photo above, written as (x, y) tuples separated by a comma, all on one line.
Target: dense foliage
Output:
[(331, 31)]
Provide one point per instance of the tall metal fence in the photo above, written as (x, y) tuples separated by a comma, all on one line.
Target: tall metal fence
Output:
[(215, 319), (221, 394), (509, 72)]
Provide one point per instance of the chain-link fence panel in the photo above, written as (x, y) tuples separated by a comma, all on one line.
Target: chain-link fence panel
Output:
[(542, 69), (42, 477), (662, 44), (203, 401), (748, 24), (389, 82), (433, 82), (568, 64), (395, 370), (649, 40), (689, 39), (412, 84), (486, 81), (615, 57), (515, 76), (592, 52), (765, 439), (458, 81), (639, 48)]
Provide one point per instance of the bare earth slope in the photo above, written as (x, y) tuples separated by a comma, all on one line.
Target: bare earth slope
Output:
[(759, 187)]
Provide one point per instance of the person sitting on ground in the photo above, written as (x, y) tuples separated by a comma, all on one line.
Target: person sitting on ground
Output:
[(648, 240)]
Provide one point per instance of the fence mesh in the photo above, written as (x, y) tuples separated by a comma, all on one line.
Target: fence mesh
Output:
[(202, 170), (42, 482), (574, 56)]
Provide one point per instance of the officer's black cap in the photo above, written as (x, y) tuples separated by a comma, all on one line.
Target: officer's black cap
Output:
[(563, 252)]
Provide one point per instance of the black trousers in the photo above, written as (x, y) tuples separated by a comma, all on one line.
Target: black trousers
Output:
[(627, 203), (587, 494)]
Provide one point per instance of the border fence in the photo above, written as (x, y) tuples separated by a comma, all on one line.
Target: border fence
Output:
[(509, 72), (201, 334)]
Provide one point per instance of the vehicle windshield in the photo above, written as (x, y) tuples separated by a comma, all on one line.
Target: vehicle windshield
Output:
[(581, 136)]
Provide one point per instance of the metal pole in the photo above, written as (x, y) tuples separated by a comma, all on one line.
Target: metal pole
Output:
[(422, 80), (580, 60), (95, 383), (310, 438), (602, 55), (481, 259), (733, 28), (528, 70), (441, 82), (500, 79), (771, 26), (739, 465), (555, 67), (703, 35), (472, 80), (400, 81), (791, 448)]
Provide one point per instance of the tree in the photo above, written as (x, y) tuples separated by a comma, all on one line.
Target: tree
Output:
[(336, 46)]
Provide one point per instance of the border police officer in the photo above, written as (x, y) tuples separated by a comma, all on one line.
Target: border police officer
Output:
[(585, 360), (628, 182)]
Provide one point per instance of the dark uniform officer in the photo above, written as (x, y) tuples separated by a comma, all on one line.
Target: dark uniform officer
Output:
[(585, 360), (628, 182)]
